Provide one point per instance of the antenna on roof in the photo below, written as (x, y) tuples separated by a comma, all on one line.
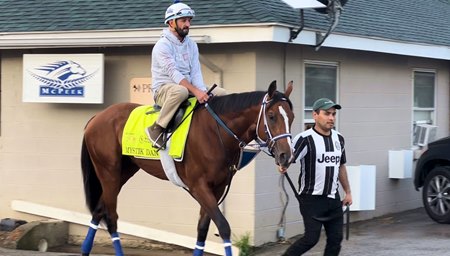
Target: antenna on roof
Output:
[(331, 7), (304, 4)]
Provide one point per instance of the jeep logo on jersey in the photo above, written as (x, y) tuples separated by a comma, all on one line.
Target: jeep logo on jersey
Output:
[(62, 78), (329, 159)]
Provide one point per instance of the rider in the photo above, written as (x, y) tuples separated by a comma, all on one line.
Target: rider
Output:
[(176, 70)]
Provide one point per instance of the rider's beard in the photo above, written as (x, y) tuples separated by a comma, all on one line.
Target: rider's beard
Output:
[(182, 32)]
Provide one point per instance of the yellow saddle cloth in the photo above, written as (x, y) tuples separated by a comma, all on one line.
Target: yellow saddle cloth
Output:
[(136, 143)]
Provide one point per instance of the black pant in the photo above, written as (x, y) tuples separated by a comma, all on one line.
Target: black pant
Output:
[(312, 207)]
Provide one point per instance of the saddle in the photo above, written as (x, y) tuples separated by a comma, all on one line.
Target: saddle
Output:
[(177, 119)]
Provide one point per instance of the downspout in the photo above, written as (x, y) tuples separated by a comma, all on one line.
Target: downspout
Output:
[(214, 68)]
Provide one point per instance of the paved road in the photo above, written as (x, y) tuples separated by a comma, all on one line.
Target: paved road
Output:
[(410, 233)]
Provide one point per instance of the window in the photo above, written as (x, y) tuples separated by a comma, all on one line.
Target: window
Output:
[(424, 97), (320, 82), (423, 106)]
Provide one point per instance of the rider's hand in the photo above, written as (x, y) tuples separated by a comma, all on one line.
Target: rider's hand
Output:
[(201, 96)]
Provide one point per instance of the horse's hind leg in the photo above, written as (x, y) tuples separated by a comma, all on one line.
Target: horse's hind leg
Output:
[(106, 210), (117, 177), (112, 179), (202, 233), (88, 242), (93, 192), (110, 200)]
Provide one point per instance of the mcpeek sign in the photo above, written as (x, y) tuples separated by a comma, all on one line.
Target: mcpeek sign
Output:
[(63, 78)]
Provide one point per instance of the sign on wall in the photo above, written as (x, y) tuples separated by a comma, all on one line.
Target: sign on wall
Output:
[(63, 78), (140, 91)]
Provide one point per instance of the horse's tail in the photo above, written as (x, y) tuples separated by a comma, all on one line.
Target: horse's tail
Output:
[(92, 186)]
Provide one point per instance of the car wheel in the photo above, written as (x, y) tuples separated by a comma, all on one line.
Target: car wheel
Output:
[(436, 194)]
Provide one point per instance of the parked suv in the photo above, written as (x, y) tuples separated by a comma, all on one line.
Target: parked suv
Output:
[(433, 174)]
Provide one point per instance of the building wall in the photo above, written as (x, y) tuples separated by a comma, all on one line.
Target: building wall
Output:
[(375, 91), (40, 143)]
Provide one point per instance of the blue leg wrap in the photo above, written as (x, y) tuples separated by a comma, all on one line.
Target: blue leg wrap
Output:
[(88, 242), (199, 248), (116, 243), (227, 244)]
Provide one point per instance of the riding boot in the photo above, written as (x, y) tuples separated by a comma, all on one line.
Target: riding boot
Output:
[(157, 135)]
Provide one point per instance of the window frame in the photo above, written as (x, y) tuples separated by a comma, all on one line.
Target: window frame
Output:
[(415, 109), (306, 121)]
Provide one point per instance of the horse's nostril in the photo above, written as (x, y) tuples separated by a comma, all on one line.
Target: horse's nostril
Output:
[(282, 159)]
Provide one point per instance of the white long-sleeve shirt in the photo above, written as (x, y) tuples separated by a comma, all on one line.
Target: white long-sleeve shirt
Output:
[(173, 60)]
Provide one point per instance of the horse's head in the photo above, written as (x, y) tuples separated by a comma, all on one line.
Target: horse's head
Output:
[(274, 123)]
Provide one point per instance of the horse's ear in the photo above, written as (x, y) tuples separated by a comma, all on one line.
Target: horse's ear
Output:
[(272, 88), (289, 88)]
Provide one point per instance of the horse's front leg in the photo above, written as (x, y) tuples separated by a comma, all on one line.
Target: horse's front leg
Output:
[(202, 233), (208, 202)]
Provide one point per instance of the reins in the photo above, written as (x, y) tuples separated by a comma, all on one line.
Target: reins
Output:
[(224, 126), (260, 142)]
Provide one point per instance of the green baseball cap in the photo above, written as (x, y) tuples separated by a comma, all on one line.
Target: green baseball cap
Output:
[(325, 104)]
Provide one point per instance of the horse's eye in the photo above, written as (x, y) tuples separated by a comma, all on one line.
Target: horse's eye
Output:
[(271, 115)]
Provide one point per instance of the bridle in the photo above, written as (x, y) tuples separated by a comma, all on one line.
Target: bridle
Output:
[(271, 140), (261, 145), (268, 144)]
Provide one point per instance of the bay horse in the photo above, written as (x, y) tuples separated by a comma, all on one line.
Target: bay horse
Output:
[(213, 146)]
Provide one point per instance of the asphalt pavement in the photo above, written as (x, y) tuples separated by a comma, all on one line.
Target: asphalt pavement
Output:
[(410, 233)]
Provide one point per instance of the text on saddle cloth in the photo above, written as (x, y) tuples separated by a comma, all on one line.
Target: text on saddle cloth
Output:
[(136, 143)]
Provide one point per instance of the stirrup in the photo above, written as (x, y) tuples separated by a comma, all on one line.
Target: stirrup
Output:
[(154, 142), (164, 142)]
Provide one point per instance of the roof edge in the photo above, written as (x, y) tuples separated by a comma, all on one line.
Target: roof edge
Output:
[(372, 44), (235, 33)]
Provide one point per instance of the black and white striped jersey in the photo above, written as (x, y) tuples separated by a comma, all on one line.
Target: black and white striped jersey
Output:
[(320, 158)]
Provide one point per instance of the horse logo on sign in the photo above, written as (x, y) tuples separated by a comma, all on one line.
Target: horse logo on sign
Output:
[(61, 78)]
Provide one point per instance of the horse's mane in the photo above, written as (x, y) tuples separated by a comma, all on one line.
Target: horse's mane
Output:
[(236, 102)]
